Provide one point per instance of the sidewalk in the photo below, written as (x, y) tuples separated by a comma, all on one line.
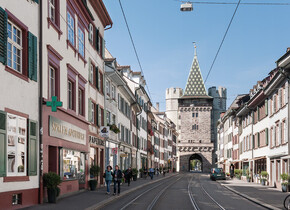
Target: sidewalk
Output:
[(266, 196), (89, 199)]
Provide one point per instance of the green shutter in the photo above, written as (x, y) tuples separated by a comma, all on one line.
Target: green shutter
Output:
[(267, 136), (97, 39), (103, 48), (36, 1), (258, 140), (32, 56), (3, 36), (105, 117), (3, 144), (89, 110), (32, 148), (266, 107), (97, 115), (97, 77), (90, 78)]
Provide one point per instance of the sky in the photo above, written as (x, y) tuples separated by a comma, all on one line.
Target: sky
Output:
[(163, 36)]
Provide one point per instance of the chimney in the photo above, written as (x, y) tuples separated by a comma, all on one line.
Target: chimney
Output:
[(157, 106)]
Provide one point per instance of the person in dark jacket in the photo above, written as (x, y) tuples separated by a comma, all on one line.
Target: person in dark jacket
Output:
[(117, 179), (128, 175)]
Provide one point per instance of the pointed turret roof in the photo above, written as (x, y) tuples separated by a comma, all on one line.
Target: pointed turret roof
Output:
[(195, 85)]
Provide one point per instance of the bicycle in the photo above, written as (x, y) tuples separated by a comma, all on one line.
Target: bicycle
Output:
[(287, 202)]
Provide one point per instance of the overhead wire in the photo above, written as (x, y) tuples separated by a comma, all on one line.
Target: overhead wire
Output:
[(221, 44), (134, 47), (233, 3)]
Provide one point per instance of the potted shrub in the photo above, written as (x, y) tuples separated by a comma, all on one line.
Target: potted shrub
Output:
[(94, 172), (141, 171), (134, 174), (264, 177), (51, 181), (284, 183), (238, 173), (114, 128)]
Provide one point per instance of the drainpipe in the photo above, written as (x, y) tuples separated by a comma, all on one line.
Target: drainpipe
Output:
[(40, 191)]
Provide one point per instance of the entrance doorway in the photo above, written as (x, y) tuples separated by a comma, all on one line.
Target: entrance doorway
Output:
[(195, 163)]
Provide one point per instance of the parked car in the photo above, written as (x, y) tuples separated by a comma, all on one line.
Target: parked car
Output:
[(217, 173)]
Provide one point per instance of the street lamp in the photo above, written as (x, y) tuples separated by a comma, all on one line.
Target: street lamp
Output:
[(186, 7)]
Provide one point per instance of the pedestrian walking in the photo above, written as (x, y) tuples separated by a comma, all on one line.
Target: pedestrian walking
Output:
[(157, 171), (108, 175), (151, 172), (128, 175), (117, 179), (145, 172), (164, 172)]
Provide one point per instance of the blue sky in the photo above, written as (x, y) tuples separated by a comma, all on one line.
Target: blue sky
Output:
[(163, 36)]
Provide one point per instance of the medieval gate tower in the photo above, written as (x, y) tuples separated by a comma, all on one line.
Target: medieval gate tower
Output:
[(193, 112)]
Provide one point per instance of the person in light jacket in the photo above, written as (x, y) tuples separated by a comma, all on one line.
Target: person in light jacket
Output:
[(117, 175), (108, 178)]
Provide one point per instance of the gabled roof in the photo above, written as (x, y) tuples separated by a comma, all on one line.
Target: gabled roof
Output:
[(195, 85)]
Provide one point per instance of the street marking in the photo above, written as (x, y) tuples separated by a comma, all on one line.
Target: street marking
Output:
[(193, 202), (159, 194), (212, 198), (128, 204)]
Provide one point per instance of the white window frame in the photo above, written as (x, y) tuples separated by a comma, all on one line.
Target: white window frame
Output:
[(52, 83), (113, 92), (81, 42), (91, 33), (92, 73), (52, 16), (70, 28), (14, 46), (17, 146)]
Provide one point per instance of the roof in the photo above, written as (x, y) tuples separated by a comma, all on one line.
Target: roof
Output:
[(195, 85)]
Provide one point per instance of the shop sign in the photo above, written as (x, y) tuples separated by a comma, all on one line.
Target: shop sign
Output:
[(104, 131), (95, 140), (64, 130), (123, 155), (115, 150)]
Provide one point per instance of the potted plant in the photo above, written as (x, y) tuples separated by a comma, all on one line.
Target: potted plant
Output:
[(21, 168), (51, 181), (284, 183), (141, 172), (238, 173), (94, 172), (114, 128), (264, 177), (228, 174), (248, 175), (134, 174)]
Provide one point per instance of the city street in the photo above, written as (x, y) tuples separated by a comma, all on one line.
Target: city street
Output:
[(184, 191)]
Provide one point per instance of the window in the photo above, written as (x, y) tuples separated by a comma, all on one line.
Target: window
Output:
[(193, 114), (91, 33), (14, 47), (91, 73), (72, 164), (81, 102), (70, 94), (52, 9), (113, 119), (52, 83), (17, 199), (70, 29), (93, 113), (108, 117), (16, 143), (113, 92), (196, 114), (108, 87), (81, 43), (285, 131), (101, 82)]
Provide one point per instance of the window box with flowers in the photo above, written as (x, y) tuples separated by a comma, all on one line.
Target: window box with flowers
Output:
[(114, 128)]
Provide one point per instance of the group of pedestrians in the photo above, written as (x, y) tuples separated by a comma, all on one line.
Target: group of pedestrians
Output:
[(116, 176)]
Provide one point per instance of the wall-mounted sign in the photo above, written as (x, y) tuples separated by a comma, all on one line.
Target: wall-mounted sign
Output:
[(54, 103), (104, 131), (123, 155), (95, 140), (115, 150), (64, 130)]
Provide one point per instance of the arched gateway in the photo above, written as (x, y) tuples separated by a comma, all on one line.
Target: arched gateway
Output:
[(195, 163)]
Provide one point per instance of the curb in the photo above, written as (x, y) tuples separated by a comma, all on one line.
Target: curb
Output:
[(258, 202), (113, 198)]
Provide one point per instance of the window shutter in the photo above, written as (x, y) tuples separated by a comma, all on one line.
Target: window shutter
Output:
[(100, 116), (3, 140), (89, 110), (32, 56), (3, 36), (97, 39), (32, 150), (97, 77), (253, 140), (266, 107), (103, 48), (97, 115), (36, 1), (258, 140), (89, 71)]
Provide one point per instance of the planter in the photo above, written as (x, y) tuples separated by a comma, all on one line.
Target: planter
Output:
[(284, 188), (93, 184), (135, 177), (51, 195)]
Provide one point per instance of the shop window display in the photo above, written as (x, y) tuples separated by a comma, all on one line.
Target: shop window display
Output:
[(73, 164), (16, 143)]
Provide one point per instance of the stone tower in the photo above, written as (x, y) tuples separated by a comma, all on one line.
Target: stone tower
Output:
[(219, 105), (194, 120)]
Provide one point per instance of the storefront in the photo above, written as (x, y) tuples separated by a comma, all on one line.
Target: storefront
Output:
[(97, 155), (65, 149), (111, 153), (125, 157)]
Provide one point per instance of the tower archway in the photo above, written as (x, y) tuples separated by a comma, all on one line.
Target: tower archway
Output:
[(195, 163)]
